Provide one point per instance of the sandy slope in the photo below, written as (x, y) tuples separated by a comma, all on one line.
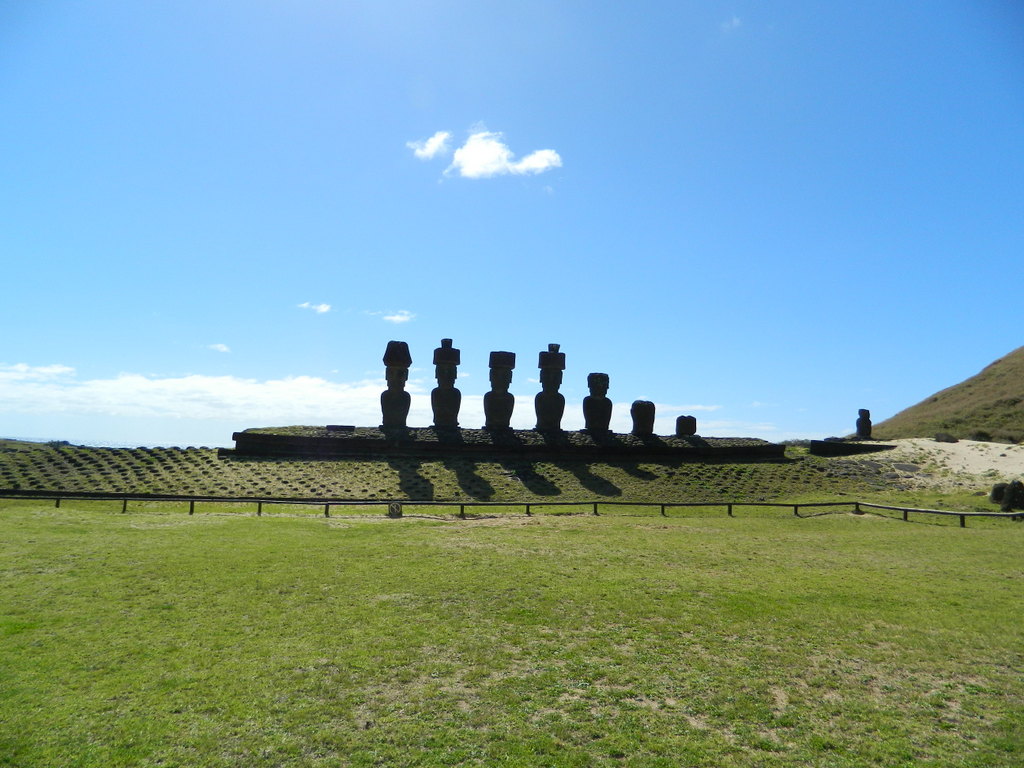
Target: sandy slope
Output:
[(966, 463)]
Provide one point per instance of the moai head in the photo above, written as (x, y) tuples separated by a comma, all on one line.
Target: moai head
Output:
[(501, 364), (551, 364), (397, 359), (686, 426), (598, 384), (642, 412), (864, 423), (446, 360)]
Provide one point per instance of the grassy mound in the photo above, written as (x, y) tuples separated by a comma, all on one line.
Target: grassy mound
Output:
[(988, 406), (205, 472)]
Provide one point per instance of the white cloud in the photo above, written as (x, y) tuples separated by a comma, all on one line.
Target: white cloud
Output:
[(401, 316), (318, 308), (485, 155), (219, 347), (732, 24), (432, 147), (25, 372)]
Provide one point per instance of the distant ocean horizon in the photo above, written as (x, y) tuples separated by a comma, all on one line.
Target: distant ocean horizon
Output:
[(100, 443)]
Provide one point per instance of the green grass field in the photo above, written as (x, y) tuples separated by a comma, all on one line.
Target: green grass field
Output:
[(157, 639)]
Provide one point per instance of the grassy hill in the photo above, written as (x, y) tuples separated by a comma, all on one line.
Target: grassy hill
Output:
[(987, 406)]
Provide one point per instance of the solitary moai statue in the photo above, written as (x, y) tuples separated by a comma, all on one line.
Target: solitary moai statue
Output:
[(686, 426), (445, 399), (499, 402), (395, 401), (597, 408), (864, 424), (549, 402), (642, 412)]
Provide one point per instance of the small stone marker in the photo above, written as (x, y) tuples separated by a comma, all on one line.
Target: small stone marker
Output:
[(394, 509)]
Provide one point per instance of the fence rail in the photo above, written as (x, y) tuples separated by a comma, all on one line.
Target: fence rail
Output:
[(394, 506)]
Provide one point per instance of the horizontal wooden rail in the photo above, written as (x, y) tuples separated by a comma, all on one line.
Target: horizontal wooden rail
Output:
[(393, 504)]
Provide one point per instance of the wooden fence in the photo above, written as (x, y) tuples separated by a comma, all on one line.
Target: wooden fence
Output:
[(394, 507)]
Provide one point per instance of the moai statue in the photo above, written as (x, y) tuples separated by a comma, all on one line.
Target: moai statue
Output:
[(686, 426), (864, 424), (642, 412), (445, 399), (597, 408), (499, 402), (549, 402), (395, 401)]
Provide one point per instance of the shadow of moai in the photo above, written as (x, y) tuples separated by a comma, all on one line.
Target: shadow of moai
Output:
[(472, 483), (633, 470), (532, 480), (410, 482), (593, 483)]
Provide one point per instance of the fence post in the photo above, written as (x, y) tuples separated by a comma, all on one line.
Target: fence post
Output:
[(124, 505), (728, 509), (56, 502), (327, 510), (528, 511), (259, 509), (906, 515), (963, 521), (191, 507), (595, 507), (796, 510), (663, 511), (462, 511)]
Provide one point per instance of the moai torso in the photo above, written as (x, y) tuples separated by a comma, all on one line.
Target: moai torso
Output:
[(686, 426), (549, 403), (597, 408), (395, 401), (864, 423), (642, 412), (499, 402), (445, 399)]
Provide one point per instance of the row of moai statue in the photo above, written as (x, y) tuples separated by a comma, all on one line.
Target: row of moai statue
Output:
[(549, 404)]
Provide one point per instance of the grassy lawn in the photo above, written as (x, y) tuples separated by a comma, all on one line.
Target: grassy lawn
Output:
[(223, 639)]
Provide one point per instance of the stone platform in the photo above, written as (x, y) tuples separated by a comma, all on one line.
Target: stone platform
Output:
[(428, 442)]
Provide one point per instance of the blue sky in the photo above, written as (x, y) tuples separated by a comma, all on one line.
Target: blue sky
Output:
[(213, 215)]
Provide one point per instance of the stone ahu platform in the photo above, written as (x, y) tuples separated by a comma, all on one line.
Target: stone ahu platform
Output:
[(429, 442)]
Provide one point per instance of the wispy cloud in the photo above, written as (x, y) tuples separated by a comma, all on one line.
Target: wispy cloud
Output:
[(318, 308), (732, 24), (25, 372), (401, 316), (219, 347), (428, 149)]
